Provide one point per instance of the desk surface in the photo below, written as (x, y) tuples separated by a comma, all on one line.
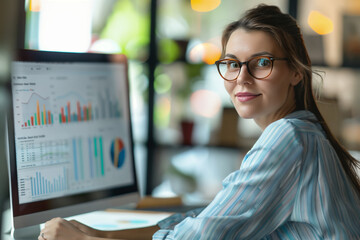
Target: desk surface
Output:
[(150, 211)]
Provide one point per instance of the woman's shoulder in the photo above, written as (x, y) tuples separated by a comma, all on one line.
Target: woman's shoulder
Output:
[(302, 122), (292, 129)]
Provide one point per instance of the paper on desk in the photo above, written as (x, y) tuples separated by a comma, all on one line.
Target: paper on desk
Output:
[(103, 220)]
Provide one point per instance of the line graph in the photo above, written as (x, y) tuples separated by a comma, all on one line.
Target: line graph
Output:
[(36, 111)]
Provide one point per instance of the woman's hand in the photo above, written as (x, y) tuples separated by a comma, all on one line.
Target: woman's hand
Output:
[(60, 229)]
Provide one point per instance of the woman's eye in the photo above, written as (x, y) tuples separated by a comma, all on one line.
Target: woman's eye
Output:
[(232, 64), (263, 62)]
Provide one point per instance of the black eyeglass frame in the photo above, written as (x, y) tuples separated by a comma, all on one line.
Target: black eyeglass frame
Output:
[(272, 59)]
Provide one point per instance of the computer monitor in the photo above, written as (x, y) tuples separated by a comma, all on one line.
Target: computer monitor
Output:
[(70, 136)]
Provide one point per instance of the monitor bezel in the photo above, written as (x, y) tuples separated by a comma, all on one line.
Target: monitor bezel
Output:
[(77, 203)]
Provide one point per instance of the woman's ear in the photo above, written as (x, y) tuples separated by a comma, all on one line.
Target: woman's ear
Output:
[(297, 77)]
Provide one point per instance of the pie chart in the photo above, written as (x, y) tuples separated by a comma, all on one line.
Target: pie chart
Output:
[(117, 153)]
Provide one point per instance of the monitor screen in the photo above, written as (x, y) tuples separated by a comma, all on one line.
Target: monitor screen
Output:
[(70, 138)]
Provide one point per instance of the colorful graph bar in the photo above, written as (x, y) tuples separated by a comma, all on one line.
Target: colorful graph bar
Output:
[(96, 159), (44, 117), (98, 156), (78, 159), (41, 185), (82, 113)]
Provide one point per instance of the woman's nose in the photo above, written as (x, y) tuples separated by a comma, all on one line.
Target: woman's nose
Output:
[(244, 76)]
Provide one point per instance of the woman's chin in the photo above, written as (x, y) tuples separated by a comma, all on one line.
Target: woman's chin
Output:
[(245, 115)]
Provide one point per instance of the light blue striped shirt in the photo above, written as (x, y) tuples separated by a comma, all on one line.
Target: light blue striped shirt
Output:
[(290, 185)]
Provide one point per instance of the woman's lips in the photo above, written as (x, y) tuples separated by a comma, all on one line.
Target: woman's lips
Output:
[(245, 96)]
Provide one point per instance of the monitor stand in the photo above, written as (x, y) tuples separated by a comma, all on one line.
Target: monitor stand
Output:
[(9, 233)]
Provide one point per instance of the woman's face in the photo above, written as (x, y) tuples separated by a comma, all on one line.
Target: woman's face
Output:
[(265, 100)]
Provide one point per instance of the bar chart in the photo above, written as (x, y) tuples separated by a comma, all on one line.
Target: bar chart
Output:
[(37, 111), (66, 107), (48, 183), (81, 113), (75, 108)]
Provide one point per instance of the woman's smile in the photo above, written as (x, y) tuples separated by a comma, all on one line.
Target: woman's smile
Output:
[(246, 96)]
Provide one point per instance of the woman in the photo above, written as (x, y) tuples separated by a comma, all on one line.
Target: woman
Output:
[(297, 181)]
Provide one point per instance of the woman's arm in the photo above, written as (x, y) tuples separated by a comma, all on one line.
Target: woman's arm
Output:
[(61, 229), (256, 199)]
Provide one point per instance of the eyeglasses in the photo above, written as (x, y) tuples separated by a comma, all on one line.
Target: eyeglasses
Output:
[(258, 67)]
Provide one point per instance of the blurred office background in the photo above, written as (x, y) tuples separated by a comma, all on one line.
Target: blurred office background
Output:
[(187, 135)]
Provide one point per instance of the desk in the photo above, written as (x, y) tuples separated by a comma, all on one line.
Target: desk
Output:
[(124, 217)]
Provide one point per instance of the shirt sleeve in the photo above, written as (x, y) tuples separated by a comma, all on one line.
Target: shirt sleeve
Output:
[(170, 222), (256, 199)]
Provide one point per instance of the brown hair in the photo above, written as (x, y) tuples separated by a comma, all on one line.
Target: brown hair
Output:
[(284, 29)]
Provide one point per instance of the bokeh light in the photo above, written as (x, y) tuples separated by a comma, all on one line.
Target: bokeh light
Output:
[(133, 38), (320, 23), (35, 5), (205, 103), (162, 112), (204, 5), (206, 52), (169, 51), (162, 83)]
